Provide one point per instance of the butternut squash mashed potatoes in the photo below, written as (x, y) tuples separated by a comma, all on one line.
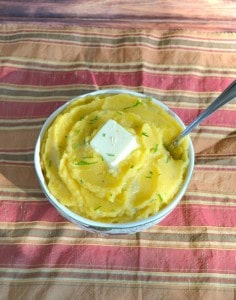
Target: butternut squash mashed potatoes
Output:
[(141, 185)]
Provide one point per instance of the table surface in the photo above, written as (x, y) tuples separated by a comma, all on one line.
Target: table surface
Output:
[(184, 54), (201, 14)]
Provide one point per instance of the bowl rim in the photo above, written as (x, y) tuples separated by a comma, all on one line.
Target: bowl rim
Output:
[(70, 215)]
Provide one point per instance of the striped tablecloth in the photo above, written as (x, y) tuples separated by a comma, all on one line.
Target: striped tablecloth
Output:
[(189, 255)]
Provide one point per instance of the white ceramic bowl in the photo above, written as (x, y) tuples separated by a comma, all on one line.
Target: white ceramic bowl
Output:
[(110, 228)]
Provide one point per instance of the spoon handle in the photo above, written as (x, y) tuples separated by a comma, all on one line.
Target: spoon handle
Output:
[(227, 95)]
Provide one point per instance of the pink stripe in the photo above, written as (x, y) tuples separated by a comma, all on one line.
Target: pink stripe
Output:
[(20, 211), (161, 81), (198, 215), (183, 215), (221, 117), (29, 110), (118, 258)]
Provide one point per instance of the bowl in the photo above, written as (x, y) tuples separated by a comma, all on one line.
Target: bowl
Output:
[(111, 228)]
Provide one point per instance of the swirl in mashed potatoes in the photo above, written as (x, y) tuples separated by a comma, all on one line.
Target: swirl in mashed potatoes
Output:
[(141, 185)]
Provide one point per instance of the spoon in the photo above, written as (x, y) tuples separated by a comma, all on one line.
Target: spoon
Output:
[(227, 95)]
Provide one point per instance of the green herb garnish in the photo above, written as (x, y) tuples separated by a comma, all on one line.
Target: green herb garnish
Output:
[(84, 163), (93, 120), (97, 207), (150, 174), (154, 149), (160, 197), (145, 134), (138, 102)]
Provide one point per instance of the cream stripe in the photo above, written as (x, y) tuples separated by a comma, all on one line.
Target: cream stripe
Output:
[(118, 33), (16, 189), (159, 229), (155, 35), (222, 128), (158, 244), (19, 128), (183, 201), (204, 135), (41, 199), (209, 203), (229, 168), (39, 225), (190, 230), (121, 282), (98, 66), (214, 195), (200, 47), (23, 120), (38, 197)]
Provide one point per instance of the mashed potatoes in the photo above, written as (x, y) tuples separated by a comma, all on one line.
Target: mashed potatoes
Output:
[(141, 185)]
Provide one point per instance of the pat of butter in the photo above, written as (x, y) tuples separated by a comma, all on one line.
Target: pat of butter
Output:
[(114, 143)]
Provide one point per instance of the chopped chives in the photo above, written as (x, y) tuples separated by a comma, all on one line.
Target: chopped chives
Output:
[(84, 163), (145, 134), (138, 102), (97, 207), (93, 120), (160, 197), (154, 149)]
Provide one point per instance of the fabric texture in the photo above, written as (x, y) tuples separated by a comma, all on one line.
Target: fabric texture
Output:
[(189, 255)]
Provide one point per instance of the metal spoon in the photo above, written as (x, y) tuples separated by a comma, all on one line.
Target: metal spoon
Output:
[(227, 95)]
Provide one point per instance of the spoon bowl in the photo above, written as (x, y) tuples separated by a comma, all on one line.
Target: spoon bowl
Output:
[(226, 96)]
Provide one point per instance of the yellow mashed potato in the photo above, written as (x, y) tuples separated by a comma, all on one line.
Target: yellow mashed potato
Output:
[(142, 184)]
